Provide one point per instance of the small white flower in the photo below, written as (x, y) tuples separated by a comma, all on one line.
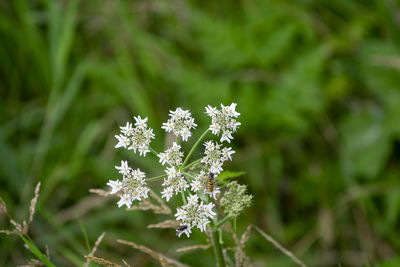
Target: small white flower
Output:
[(175, 182), (144, 192), (185, 133), (208, 210), (223, 120), (194, 214), (115, 186), (125, 200), (123, 141), (124, 169), (214, 156), (136, 139), (226, 136), (192, 199), (227, 153), (216, 167), (172, 156), (211, 111), (167, 193), (202, 224), (180, 123), (181, 214), (195, 185), (140, 123), (127, 130)]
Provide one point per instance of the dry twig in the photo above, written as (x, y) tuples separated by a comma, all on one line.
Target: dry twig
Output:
[(96, 245), (164, 260)]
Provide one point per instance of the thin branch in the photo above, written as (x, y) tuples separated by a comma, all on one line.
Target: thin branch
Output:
[(280, 247)]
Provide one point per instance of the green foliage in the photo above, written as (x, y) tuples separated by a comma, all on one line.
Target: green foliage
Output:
[(317, 86)]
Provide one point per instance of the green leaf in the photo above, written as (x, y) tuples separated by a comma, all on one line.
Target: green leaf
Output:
[(226, 175)]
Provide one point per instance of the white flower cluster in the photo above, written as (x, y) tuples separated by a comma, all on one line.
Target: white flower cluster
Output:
[(175, 182), (214, 156), (136, 139), (180, 123), (223, 120), (133, 185), (172, 156), (194, 214), (199, 184)]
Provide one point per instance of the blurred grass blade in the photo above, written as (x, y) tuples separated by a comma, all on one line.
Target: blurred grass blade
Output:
[(37, 252), (84, 234)]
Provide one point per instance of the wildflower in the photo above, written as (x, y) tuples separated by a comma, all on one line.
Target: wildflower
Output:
[(214, 156), (180, 123), (167, 193), (172, 156), (199, 184), (124, 169), (174, 182), (224, 121), (194, 214), (115, 186), (235, 199), (133, 185), (125, 200), (136, 139)]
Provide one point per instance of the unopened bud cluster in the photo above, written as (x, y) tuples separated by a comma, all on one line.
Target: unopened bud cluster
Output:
[(235, 199)]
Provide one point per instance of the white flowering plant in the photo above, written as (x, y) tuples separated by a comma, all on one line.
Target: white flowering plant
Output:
[(195, 180)]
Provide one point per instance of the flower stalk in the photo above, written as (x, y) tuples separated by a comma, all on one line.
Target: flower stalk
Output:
[(219, 256), (194, 147)]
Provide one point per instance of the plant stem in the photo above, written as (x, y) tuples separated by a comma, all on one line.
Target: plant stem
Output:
[(192, 164), (183, 197), (217, 249), (221, 222), (153, 151), (188, 174), (157, 177), (194, 147)]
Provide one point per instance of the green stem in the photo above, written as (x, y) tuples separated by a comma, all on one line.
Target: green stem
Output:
[(188, 174), (183, 197), (153, 151), (217, 249), (157, 177), (221, 222), (194, 147), (192, 164)]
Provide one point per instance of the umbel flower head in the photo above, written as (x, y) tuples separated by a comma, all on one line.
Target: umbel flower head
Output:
[(172, 156), (136, 138), (180, 123), (175, 182), (214, 156), (194, 214), (235, 199), (133, 185), (199, 184), (223, 121)]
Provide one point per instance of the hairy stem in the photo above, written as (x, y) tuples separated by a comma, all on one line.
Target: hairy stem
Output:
[(217, 249), (194, 147)]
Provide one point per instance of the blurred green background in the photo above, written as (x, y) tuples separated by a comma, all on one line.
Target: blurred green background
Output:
[(317, 84)]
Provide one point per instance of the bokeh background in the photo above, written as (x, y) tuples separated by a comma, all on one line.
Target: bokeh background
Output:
[(317, 84)]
